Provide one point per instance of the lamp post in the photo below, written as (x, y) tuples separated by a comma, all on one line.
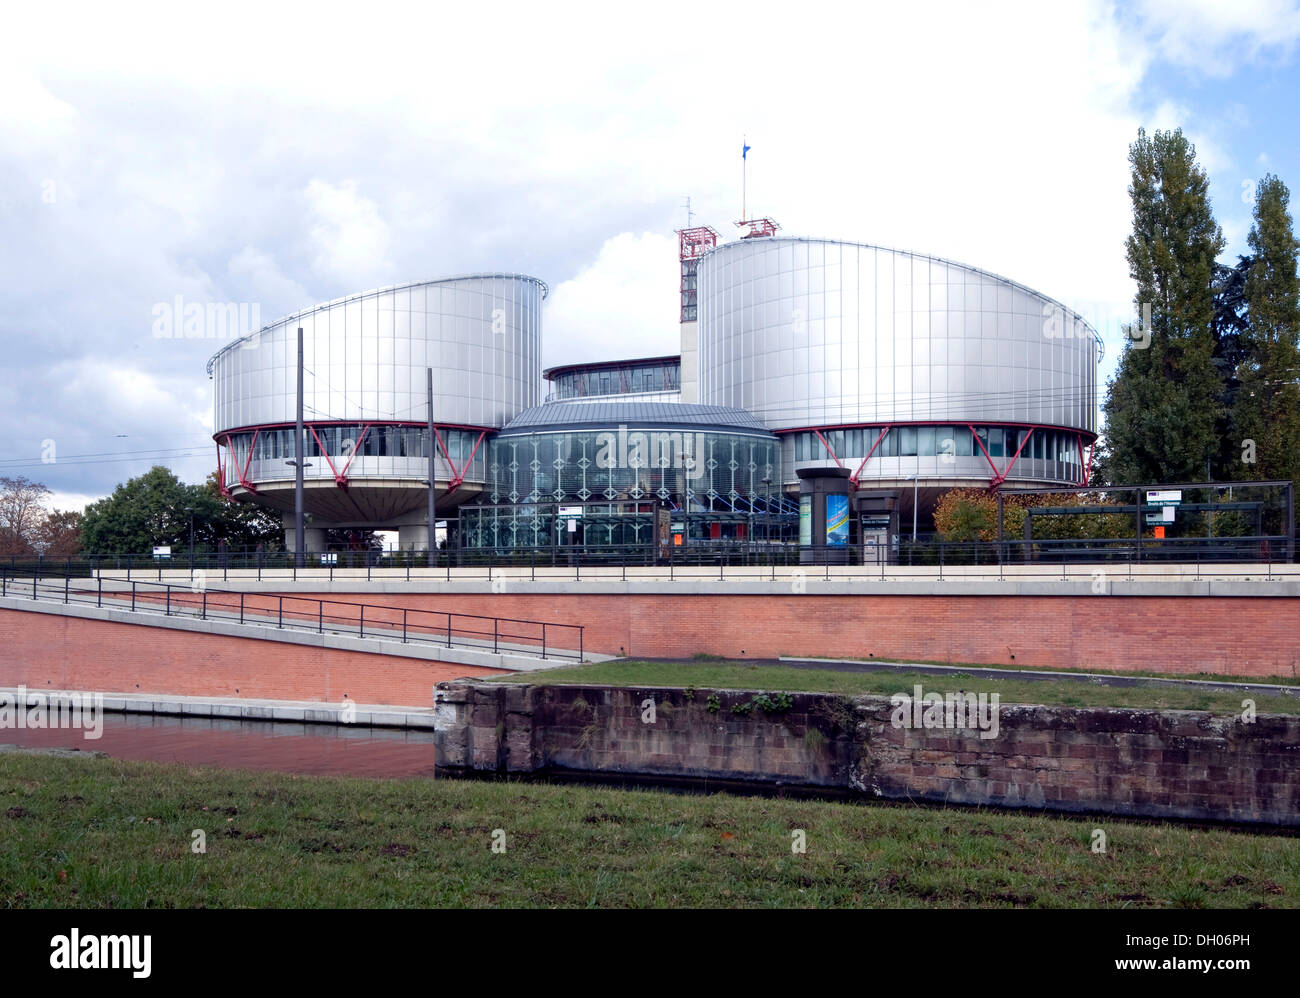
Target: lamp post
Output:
[(916, 485)]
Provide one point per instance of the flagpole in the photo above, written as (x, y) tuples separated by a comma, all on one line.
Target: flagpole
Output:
[(744, 180)]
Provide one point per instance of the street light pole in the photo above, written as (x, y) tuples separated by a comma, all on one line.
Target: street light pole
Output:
[(916, 486), (299, 513), (432, 545)]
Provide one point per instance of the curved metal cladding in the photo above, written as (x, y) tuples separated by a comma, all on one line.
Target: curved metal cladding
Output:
[(608, 464), (365, 393), (896, 364)]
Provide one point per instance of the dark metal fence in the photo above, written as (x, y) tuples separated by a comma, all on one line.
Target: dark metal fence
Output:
[(411, 624), (1267, 551)]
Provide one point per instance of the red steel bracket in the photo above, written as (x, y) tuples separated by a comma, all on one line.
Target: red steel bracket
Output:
[(221, 472), (828, 448), (243, 472), (987, 458), (854, 477), (1000, 478), (339, 480), (342, 476)]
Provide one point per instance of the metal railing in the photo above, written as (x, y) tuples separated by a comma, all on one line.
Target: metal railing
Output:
[(927, 556), (535, 638)]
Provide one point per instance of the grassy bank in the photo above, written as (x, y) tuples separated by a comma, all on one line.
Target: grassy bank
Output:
[(746, 675), (102, 833)]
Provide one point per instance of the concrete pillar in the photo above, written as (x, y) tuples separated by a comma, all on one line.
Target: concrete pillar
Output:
[(413, 537), (690, 363), (315, 537)]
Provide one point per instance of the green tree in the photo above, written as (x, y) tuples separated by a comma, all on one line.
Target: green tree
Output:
[(155, 509), (1267, 407), (1163, 407), (144, 512), (239, 524), (1229, 352), (966, 515)]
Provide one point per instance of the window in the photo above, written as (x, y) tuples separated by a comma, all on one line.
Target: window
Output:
[(925, 445), (1036, 442), (907, 441), (995, 438)]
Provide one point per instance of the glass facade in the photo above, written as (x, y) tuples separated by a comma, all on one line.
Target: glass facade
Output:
[(374, 452), (715, 483), (942, 451), (663, 375)]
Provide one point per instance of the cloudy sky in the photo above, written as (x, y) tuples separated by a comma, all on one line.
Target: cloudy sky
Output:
[(279, 158)]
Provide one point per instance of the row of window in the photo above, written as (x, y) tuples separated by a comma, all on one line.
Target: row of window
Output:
[(618, 381), (939, 441), (704, 470), (341, 442)]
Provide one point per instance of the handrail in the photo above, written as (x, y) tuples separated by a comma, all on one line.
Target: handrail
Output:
[(172, 600)]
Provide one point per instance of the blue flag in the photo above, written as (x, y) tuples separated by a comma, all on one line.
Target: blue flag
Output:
[(744, 150)]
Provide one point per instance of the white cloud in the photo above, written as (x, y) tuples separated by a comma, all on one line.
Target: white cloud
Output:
[(349, 237), (1215, 37), (623, 304), (298, 163), (266, 284), (70, 501)]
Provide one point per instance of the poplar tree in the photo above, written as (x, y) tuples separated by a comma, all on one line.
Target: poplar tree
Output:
[(1267, 408), (1165, 400)]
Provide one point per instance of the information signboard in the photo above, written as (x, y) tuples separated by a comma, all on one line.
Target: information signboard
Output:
[(837, 520)]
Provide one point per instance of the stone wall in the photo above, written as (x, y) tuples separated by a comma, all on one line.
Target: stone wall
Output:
[(1178, 764)]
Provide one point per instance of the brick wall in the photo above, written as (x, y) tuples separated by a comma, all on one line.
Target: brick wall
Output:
[(1181, 764), (1244, 636), (50, 651)]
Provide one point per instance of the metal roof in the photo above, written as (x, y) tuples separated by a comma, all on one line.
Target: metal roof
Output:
[(551, 373), (558, 416)]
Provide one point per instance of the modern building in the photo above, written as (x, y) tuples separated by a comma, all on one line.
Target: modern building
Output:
[(893, 364), (365, 401), (898, 373)]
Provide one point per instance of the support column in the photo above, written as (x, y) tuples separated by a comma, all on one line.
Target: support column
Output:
[(413, 537), (314, 538)]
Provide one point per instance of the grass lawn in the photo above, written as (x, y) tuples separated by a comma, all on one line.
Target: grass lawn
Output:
[(100, 833), (1210, 677), (744, 676)]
